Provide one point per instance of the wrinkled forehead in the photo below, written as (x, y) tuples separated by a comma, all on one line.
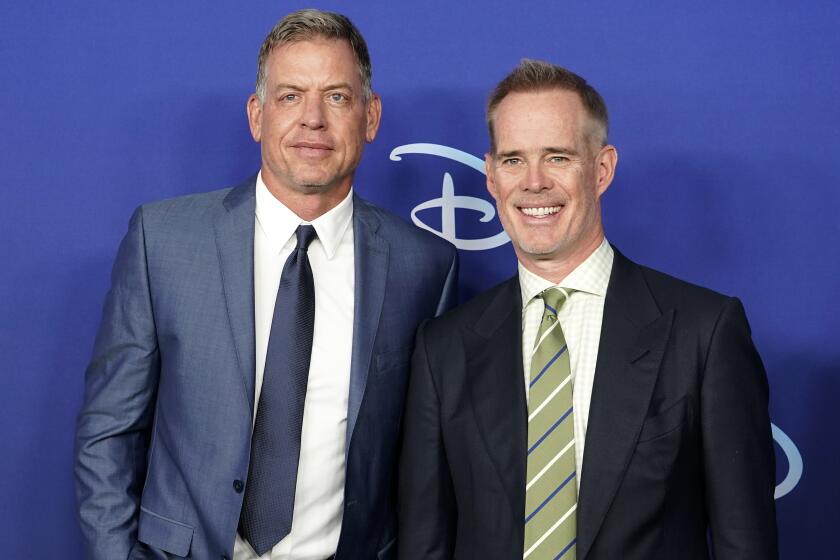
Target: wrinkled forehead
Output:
[(316, 58), (555, 117)]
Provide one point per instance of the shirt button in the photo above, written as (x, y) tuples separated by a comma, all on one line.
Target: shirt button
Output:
[(238, 485)]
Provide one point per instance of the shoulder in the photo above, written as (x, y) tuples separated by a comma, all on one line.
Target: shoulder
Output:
[(191, 205), (671, 287), (492, 305), (673, 290), (696, 306), (195, 211), (402, 234), (190, 221)]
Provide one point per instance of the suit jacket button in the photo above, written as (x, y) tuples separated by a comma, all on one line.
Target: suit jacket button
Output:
[(238, 485)]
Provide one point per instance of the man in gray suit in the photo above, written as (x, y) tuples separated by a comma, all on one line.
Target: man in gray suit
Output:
[(225, 417)]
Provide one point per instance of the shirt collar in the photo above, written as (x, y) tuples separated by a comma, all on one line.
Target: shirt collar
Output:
[(279, 222), (591, 276)]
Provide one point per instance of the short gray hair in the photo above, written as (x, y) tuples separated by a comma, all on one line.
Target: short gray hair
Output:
[(305, 25), (536, 75)]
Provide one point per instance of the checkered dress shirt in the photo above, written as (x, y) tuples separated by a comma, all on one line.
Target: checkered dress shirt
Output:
[(580, 318)]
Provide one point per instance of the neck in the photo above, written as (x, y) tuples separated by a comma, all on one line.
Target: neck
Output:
[(555, 268), (309, 205)]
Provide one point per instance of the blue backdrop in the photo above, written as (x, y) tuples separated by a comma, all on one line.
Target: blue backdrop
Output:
[(725, 116)]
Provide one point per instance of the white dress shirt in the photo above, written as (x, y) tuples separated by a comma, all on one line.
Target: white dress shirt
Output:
[(319, 495), (580, 318)]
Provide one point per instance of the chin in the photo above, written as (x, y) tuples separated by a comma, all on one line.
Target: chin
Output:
[(540, 253), (312, 181), (539, 248)]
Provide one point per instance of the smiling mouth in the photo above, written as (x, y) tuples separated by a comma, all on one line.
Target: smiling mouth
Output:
[(541, 211)]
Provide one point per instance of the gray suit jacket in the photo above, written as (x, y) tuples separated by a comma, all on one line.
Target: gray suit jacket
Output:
[(164, 436)]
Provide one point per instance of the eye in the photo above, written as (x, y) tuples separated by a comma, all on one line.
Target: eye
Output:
[(289, 97), (338, 97), (558, 159), (511, 161)]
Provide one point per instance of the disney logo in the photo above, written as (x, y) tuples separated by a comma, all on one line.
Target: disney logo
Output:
[(449, 202), (794, 460)]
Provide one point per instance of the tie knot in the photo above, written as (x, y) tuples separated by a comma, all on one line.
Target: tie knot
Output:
[(305, 236), (554, 298)]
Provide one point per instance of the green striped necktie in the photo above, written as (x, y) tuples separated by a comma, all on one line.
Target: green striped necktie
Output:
[(551, 488)]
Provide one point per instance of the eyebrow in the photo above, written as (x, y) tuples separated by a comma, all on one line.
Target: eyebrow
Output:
[(545, 151), (329, 87), (559, 150), (339, 85), (282, 86), (512, 153)]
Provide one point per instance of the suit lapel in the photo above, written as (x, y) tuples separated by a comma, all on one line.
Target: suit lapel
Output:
[(371, 272), (234, 225), (495, 378), (633, 338)]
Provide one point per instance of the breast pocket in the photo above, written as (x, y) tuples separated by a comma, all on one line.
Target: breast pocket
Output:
[(393, 360), (389, 551), (656, 452), (663, 422), (385, 393)]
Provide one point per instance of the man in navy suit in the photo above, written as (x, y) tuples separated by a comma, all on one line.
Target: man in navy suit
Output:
[(164, 440), (588, 407)]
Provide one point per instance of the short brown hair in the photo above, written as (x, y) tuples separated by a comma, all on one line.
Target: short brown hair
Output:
[(304, 25), (536, 75)]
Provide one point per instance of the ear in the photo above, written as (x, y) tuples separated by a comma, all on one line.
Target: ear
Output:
[(374, 115), (606, 161), (254, 108), (490, 172)]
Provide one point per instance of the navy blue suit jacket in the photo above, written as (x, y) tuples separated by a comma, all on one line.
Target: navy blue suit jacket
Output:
[(164, 434), (678, 440)]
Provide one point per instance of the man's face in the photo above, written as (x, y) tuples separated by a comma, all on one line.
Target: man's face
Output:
[(313, 122), (547, 175)]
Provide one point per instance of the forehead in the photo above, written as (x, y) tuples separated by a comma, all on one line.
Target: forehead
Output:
[(525, 118), (313, 60)]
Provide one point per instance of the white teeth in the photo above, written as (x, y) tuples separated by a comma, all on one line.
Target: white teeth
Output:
[(544, 211)]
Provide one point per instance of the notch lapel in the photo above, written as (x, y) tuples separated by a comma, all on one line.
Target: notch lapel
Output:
[(497, 386), (633, 339), (234, 226), (371, 272)]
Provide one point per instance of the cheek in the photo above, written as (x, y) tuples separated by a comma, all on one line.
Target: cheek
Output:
[(278, 121), (591, 199), (504, 203), (354, 137), (504, 186), (354, 149)]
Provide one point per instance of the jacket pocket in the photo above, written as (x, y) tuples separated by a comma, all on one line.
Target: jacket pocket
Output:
[(166, 534), (391, 359), (663, 422), (388, 551)]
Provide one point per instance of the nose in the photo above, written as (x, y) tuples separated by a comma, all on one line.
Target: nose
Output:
[(313, 114), (535, 179)]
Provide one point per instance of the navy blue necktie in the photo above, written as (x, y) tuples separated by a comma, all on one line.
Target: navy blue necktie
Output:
[(269, 501)]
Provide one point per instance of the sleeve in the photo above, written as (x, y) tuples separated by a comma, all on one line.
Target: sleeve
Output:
[(427, 509), (113, 427), (738, 451)]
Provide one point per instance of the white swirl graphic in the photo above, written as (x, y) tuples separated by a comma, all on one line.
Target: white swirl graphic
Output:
[(794, 460), (449, 201)]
